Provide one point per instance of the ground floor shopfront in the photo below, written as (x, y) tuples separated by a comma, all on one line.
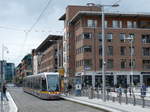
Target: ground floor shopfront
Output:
[(114, 78)]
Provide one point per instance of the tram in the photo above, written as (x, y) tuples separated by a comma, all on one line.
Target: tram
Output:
[(44, 85)]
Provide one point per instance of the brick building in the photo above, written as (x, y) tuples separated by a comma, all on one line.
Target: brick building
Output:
[(23, 69), (83, 46), (47, 57)]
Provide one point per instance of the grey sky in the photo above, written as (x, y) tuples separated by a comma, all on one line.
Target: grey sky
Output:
[(21, 14)]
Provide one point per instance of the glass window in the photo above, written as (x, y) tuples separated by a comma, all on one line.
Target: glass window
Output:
[(123, 63), (129, 24), (106, 24), (53, 82), (92, 23), (122, 37), (110, 51), (146, 38), (134, 24), (146, 64), (100, 36), (122, 50), (87, 49), (117, 24), (133, 63), (110, 63), (87, 35), (44, 87), (109, 37), (146, 51), (88, 63)]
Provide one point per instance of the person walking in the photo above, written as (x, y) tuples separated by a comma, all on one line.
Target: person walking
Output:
[(4, 91), (69, 88)]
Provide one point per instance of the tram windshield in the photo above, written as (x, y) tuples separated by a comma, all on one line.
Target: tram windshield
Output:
[(53, 82)]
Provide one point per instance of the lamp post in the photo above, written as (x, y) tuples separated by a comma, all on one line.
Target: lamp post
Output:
[(103, 45), (102, 6), (130, 38)]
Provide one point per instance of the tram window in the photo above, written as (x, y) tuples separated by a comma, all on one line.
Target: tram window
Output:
[(44, 85)]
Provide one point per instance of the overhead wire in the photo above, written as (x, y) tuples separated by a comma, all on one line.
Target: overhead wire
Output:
[(34, 24)]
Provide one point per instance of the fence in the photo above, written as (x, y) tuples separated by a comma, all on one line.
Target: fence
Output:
[(127, 95)]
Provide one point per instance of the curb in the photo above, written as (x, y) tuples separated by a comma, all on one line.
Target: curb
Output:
[(12, 105), (100, 107)]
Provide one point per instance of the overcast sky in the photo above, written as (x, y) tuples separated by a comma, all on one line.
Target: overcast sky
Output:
[(17, 17)]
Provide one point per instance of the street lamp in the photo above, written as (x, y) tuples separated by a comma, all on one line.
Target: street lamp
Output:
[(103, 44), (131, 38)]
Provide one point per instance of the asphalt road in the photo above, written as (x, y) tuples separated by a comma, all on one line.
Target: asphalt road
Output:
[(28, 103)]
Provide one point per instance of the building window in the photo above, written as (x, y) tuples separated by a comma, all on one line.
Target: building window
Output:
[(146, 64), (146, 38), (91, 23), (117, 24), (133, 63), (106, 24), (109, 37), (87, 35), (122, 37), (100, 50), (131, 35), (146, 51), (100, 63), (100, 36), (109, 63), (123, 63), (110, 51), (134, 24), (122, 50), (87, 63), (131, 24), (87, 49)]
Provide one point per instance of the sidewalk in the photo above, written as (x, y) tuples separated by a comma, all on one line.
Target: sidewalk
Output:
[(108, 106), (9, 106)]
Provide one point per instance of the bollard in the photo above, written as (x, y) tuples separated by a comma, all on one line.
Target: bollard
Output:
[(134, 100), (98, 96), (120, 98)]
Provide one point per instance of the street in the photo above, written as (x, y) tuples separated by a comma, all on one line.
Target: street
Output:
[(28, 103)]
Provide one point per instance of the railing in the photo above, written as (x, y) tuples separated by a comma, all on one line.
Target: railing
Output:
[(127, 95)]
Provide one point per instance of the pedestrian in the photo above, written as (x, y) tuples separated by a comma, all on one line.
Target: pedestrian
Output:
[(4, 91), (69, 88), (143, 90), (130, 91)]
